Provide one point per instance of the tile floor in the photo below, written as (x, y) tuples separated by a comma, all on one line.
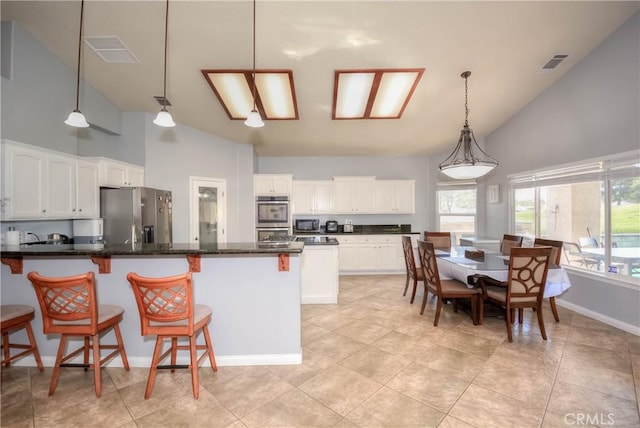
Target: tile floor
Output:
[(370, 361)]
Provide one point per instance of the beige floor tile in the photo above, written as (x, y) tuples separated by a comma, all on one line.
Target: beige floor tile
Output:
[(248, 392), (401, 344), (596, 356), (477, 346), (311, 331), (601, 379), (16, 408), (554, 420), (334, 346), (432, 387), (206, 411), (293, 409), (451, 422), (528, 357), (123, 378), (108, 410), (312, 364), (571, 399), (530, 386), (310, 311), (375, 364), (388, 408), (362, 331), (340, 389), (483, 408), (451, 361), (330, 320), (345, 423)]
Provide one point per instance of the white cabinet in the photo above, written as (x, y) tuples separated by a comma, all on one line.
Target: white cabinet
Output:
[(116, 173), (395, 197), (371, 253), (272, 184), (354, 195), (42, 184), (312, 197), (319, 274)]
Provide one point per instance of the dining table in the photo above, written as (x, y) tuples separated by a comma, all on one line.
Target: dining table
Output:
[(454, 264)]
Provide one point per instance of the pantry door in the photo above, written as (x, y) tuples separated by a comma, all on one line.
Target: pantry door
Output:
[(208, 210)]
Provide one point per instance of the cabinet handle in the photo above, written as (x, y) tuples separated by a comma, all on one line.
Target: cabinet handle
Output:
[(44, 211), (80, 210), (73, 210)]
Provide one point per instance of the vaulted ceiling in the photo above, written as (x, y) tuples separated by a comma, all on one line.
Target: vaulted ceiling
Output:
[(504, 44)]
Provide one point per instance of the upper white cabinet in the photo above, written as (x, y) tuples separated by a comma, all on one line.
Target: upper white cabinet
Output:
[(312, 197), (116, 173), (354, 195), (395, 197), (42, 184), (272, 184)]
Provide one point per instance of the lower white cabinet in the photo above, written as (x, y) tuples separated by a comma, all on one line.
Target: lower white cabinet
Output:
[(319, 274), (371, 253)]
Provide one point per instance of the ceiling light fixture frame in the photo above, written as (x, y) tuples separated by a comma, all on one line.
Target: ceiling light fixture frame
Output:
[(254, 120), (463, 163), (76, 118), (164, 118)]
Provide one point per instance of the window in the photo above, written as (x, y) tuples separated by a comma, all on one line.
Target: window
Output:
[(457, 209), (593, 207)]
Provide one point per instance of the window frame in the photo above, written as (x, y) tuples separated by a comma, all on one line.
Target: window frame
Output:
[(457, 185)]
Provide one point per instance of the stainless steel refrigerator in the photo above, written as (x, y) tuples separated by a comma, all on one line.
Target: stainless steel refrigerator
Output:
[(136, 215)]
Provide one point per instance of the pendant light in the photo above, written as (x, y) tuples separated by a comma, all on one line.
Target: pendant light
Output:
[(164, 117), (76, 118), (463, 164), (253, 119)]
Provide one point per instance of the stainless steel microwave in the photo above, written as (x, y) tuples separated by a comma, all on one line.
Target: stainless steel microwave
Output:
[(307, 225), (272, 211)]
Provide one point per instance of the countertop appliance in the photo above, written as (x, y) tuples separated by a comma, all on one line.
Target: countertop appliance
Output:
[(347, 227), (57, 239), (88, 231), (307, 225), (136, 215), (331, 226)]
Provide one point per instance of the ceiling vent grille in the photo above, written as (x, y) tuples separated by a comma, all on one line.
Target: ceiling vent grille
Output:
[(111, 50), (554, 62), (161, 100)]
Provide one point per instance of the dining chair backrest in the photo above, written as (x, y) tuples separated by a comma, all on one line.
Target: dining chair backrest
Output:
[(588, 242), (438, 239), (556, 248), (527, 273), (409, 258), (509, 242), (165, 304), (429, 265), (66, 301)]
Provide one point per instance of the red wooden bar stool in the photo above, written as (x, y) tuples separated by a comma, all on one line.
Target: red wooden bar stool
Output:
[(14, 318), (70, 308)]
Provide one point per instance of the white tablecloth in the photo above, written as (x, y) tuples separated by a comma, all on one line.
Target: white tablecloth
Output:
[(453, 268)]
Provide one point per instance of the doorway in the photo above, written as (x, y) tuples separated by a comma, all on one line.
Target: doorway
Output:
[(208, 209)]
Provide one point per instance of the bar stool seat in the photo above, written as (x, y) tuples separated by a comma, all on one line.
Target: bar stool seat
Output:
[(14, 318)]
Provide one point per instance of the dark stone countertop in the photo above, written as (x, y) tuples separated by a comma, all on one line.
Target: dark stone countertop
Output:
[(152, 249), (366, 229)]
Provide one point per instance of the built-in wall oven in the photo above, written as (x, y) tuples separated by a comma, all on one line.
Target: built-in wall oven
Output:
[(273, 218)]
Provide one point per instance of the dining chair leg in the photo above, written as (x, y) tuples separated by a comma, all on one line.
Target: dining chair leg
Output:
[(194, 365), (5, 348), (509, 313), (424, 300), (87, 349), (97, 379), (438, 309), (513, 315), (455, 305), (520, 315), (554, 309), (207, 341), (541, 323), (413, 293), (480, 310), (174, 352), (406, 285), (474, 309), (56, 368)]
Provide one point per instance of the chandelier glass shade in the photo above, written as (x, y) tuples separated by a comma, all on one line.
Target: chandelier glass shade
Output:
[(463, 163)]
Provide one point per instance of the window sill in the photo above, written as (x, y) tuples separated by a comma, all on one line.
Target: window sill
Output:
[(625, 281)]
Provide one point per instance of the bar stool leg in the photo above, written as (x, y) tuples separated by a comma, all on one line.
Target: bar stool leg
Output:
[(34, 347), (207, 341)]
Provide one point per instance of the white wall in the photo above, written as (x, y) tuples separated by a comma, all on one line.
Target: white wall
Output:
[(593, 110)]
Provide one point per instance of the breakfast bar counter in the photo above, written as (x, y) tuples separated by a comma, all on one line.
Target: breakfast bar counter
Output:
[(252, 288)]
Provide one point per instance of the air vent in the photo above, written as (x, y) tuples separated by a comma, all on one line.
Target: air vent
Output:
[(554, 62), (161, 100), (111, 49)]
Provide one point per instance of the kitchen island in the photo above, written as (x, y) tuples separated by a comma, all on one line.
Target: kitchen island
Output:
[(252, 288), (319, 270)]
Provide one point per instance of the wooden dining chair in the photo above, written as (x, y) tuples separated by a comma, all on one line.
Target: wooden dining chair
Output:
[(413, 273), (167, 310), (525, 284), (509, 242), (14, 318), (438, 239), (444, 288), (70, 308), (556, 252)]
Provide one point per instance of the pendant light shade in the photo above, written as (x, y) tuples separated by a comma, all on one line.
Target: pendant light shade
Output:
[(76, 118), (164, 118), (463, 163), (254, 120)]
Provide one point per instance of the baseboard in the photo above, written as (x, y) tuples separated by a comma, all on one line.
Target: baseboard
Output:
[(221, 361), (629, 328)]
